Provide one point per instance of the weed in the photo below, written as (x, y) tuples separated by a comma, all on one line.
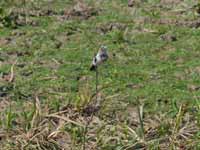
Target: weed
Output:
[(47, 96)]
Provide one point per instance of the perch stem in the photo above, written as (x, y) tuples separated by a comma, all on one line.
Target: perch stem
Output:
[(140, 121), (97, 83), (91, 117)]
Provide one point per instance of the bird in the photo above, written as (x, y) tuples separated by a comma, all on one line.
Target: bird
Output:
[(99, 58)]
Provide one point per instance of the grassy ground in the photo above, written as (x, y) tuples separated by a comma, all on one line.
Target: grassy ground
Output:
[(45, 84)]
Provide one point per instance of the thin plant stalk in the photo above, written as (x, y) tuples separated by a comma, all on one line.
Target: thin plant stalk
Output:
[(25, 12), (97, 82), (141, 121), (84, 136), (91, 117)]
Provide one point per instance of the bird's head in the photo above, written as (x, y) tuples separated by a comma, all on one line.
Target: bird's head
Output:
[(103, 47)]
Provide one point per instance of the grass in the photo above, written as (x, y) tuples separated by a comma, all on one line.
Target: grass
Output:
[(42, 105)]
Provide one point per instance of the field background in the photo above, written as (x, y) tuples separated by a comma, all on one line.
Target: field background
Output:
[(46, 88)]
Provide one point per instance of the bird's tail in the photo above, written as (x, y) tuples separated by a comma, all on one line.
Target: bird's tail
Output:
[(93, 68)]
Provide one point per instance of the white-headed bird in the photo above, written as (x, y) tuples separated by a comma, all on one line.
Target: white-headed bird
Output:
[(99, 58)]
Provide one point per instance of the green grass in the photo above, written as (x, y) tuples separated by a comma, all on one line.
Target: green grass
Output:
[(54, 53)]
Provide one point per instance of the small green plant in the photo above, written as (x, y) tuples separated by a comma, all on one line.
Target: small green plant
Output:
[(28, 116), (10, 116)]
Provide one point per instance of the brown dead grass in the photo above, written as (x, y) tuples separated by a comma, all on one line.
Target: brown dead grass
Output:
[(48, 131), (172, 22), (79, 11)]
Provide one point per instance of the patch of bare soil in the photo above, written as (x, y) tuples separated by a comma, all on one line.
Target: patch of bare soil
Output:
[(192, 87), (168, 37), (197, 8), (134, 86), (132, 3), (170, 2), (104, 28), (36, 12), (4, 103), (17, 18), (80, 10), (45, 12), (197, 70), (184, 23), (174, 22), (5, 41), (19, 53)]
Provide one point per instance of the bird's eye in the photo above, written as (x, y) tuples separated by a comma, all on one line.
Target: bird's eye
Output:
[(103, 55)]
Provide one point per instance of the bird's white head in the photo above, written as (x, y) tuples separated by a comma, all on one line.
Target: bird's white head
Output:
[(103, 47)]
